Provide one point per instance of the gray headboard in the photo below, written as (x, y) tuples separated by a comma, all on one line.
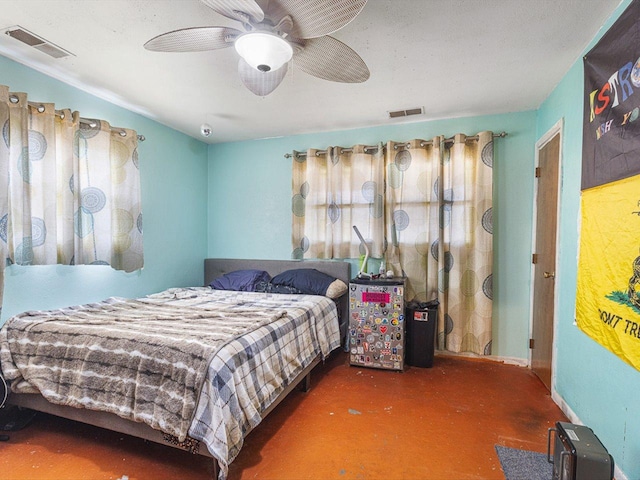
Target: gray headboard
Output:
[(214, 267)]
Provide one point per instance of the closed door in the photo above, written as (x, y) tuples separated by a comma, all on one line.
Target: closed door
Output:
[(544, 259)]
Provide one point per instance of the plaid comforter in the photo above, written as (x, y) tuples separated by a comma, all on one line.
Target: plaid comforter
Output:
[(242, 366), (247, 375)]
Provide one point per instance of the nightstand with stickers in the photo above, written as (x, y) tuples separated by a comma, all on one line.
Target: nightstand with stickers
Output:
[(376, 323)]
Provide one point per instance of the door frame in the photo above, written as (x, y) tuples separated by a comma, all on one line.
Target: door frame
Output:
[(557, 129)]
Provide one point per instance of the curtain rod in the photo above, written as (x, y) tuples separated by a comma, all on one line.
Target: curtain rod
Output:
[(447, 140), (41, 108), (324, 152), (92, 124), (399, 145)]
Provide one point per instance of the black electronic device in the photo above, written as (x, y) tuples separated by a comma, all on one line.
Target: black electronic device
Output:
[(4, 393), (12, 418), (578, 454)]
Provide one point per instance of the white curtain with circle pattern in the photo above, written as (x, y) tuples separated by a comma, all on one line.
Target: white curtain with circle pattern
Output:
[(333, 191), (436, 228), (439, 223), (71, 189)]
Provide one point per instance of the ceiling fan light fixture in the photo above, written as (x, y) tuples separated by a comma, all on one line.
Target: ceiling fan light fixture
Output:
[(264, 51)]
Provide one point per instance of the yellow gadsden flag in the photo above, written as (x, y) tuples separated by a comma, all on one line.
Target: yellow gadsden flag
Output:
[(608, 291)]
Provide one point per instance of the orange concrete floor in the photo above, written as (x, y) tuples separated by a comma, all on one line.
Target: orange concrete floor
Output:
[(354, 423)]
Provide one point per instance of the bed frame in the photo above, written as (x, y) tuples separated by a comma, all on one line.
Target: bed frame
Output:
[(212, 268)]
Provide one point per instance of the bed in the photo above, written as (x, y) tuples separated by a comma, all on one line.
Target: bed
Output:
[(231, 385)]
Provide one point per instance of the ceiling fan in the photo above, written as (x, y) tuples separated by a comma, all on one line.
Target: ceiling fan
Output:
[(273, 34)]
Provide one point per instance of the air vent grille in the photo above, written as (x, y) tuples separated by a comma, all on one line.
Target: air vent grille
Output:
[(406, 113), (24, 37), (28, 38)]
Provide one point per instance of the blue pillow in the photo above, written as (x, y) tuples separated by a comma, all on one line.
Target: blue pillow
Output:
[(311, 282), (240, 280)]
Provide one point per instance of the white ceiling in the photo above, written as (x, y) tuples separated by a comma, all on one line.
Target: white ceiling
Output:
[(455, 58)]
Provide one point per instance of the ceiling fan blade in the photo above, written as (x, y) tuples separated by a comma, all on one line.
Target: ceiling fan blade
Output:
[(197, 39), (237, 9), (332, 60), (313, 19), (261, 83)]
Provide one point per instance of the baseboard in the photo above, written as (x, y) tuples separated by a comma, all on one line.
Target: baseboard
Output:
[(566, 409), (573, 418), (520, 362)]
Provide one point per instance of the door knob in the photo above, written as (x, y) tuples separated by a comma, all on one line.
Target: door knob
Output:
[(549, 274)]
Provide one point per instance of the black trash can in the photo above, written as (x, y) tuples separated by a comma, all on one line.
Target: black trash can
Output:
[(421, 320)]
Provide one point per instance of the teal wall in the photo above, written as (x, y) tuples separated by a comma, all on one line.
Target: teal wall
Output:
[(173, 170), (250, 203), (601, 389)]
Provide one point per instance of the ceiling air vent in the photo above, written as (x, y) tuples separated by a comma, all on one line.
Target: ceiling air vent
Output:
[(406, 113), (39, 43)]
